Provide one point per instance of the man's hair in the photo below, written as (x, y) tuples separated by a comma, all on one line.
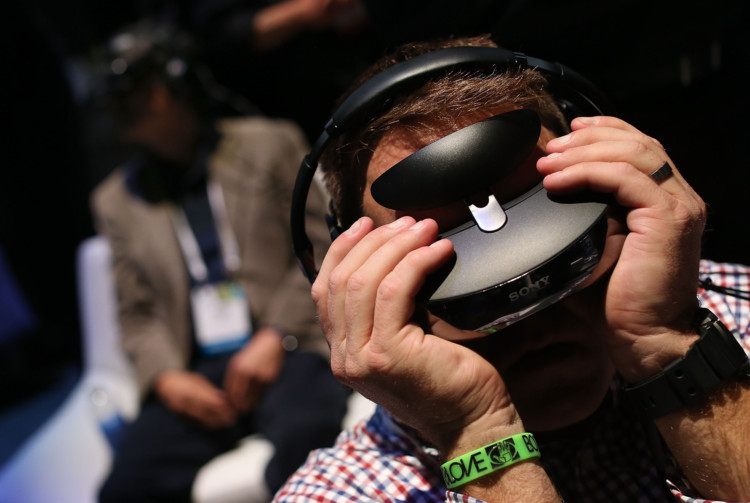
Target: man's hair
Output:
[(441, 106)]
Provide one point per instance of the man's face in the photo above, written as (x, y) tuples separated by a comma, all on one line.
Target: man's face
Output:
[(555, 364), (161, 122)]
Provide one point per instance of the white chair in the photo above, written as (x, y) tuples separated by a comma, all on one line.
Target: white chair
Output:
[(69, 457), (66, 460)]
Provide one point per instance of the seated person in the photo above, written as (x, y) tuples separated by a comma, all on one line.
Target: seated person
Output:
[(215, 315), (548, 408)]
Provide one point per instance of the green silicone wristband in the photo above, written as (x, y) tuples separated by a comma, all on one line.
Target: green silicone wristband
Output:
[(489, 459)]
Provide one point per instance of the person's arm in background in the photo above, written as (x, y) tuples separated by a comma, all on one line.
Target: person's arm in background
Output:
[(275, 24), (266, 28)]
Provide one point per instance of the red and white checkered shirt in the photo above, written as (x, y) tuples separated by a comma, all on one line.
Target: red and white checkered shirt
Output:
[(610, 457)]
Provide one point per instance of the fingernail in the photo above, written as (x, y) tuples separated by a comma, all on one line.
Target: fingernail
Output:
[(588, 120), (355, 226), (417, 225), (397, 224), (553, 155), (562, 140)]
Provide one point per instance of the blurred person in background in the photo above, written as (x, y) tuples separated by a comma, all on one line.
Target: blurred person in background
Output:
[(215, 315)]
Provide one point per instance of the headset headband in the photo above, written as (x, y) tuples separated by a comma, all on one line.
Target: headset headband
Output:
[(569, 88)]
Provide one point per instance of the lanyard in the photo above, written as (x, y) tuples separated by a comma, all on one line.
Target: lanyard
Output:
[(230, 251)]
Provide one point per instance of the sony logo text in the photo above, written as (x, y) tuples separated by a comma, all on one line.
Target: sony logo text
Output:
[(540, 284)]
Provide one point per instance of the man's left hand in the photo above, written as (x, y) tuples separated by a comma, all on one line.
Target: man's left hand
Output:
[(651, 293), (253, 368)]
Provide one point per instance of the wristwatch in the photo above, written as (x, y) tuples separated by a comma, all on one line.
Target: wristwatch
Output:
[(714, 358)]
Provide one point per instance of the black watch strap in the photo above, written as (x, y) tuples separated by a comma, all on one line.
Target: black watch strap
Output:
[(712, 359)]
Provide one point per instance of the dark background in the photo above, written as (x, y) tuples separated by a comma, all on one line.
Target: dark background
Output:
[(676, 70)]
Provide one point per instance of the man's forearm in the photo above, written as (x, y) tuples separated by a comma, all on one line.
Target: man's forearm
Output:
[(712, 442)]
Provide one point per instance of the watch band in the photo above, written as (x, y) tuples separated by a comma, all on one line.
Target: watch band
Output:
[(712, 359)]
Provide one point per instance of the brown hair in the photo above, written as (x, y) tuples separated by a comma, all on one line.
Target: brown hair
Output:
[(440, 106)]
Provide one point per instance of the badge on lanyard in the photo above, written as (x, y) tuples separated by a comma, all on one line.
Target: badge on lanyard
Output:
[(221, 317)]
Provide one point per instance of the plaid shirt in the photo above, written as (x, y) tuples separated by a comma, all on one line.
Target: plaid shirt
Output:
[(610, 457)]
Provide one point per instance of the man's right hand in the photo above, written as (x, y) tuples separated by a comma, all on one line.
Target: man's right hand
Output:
[(364, 294), (194, 396), (455, 398)]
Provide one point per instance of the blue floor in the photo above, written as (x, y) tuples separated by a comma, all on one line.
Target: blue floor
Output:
[(18, 423)]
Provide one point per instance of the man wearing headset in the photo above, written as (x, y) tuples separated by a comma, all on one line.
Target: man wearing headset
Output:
[(540, 410)]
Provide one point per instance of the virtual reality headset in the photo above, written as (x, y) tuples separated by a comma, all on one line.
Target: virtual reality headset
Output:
[(513, 258)]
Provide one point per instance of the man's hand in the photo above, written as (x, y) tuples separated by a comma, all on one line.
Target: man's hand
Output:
[(253, 368), (650, 297), (450, 394), (651, 294), (365, 298), (192, 395)]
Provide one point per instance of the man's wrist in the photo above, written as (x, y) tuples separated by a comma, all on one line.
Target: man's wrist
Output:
[(488, 459), (713, 358), (480, 432), (164, 379), (651, 355), (289, 343)]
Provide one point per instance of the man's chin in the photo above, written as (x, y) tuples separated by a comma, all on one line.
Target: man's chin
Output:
[(559, 400)]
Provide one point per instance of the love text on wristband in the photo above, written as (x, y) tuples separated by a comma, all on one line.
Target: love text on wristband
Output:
[(489, 459)]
